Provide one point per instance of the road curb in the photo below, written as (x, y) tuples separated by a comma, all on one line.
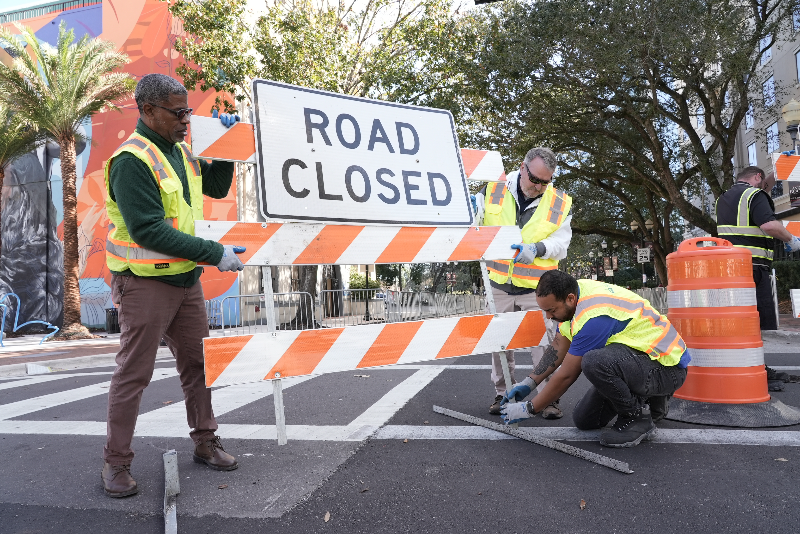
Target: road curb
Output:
[(70, 364), (780, 334)]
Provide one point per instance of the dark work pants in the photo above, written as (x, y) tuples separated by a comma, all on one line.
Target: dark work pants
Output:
[(622, 380), (148, 311), (764, 300)]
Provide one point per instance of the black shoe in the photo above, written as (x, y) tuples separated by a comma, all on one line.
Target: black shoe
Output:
[(495, 408), (659, 407), (628, 430), (772, 374)]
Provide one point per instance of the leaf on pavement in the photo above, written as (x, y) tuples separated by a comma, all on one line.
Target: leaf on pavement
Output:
[(583, 504), (222, 486), (364, 490), (167, 402), (405, 441), (361, 376), (327, 517), (781, 460)]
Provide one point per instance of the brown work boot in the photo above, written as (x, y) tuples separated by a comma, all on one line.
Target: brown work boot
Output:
[(553, 411), (211, 453), (495, 408), (117, 480)]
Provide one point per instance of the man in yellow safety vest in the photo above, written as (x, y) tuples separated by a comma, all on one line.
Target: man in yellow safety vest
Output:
[(631, 354), (528, 200), (154, 194)]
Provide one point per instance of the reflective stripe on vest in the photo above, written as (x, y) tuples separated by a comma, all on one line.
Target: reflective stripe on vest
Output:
[(744, 228), (547, 217), (648, 331)]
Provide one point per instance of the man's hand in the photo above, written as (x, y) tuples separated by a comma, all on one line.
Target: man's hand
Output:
[(514, 413), (226, 119), (229, 261), (520, 391), (793, 245), (527, 252), (788, 153)]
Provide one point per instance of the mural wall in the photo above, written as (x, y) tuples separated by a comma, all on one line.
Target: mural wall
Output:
[(32, 208)]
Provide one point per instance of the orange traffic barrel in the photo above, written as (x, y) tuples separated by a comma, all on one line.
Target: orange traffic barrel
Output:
[(712, 304)]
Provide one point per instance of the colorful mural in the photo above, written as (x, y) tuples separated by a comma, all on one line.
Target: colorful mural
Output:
[(32, 202)]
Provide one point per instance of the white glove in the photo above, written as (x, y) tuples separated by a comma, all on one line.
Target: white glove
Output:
[(793, 245), (229, 261), (528, 252), (514, 413)]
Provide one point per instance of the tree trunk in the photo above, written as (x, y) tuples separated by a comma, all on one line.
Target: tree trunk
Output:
[(2, 179), (308, 284), (72, 290)]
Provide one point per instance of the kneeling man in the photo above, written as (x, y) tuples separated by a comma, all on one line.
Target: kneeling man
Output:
[(630, 353)]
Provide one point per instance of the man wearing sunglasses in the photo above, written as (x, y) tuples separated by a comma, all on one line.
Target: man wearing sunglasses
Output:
[(155, 193), (529, 200)]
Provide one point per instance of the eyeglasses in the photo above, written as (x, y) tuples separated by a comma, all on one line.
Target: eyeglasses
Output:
[(180, 113), (532, 178)]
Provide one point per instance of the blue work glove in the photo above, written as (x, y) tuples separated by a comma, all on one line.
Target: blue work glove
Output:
[(229, 261), (788, 153), (520, 391), (514, 413), (793, 245), (474, 204), (527, 252), (226, 119)]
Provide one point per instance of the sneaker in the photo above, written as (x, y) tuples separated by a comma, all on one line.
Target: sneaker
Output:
[(552, 411), (628, 430), (495, 408), (772, 374), (659, 408)]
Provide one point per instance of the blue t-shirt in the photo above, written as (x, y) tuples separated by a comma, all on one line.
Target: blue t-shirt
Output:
[(595, 334)]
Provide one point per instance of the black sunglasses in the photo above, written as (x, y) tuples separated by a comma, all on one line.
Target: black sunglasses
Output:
[(534, 179), (180, 113)]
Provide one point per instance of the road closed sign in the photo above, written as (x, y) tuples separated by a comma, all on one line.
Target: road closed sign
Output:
[(328, 157)]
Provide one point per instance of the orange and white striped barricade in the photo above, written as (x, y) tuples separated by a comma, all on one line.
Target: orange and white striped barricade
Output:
[(319, 243), (712, 303), (265, 356), (786, 167), (483, 165)]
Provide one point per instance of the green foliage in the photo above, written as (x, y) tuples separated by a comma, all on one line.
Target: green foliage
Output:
[(787, 275), (57, 88), (17, 136), (404, 51), (360, 281)]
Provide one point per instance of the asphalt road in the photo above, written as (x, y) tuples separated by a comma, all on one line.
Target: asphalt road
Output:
[(371, 455)]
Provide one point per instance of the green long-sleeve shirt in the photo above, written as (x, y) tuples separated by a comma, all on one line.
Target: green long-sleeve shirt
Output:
[(136, 192)]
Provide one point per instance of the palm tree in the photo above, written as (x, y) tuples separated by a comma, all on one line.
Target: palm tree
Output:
[(56, 89), (17, 137)]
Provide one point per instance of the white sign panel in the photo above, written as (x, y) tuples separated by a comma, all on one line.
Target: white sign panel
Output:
[(643, 255), (336, 158)]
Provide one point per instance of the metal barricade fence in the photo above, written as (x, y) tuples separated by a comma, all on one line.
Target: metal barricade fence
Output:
[(214, 313), (248, 314), (657, 297)]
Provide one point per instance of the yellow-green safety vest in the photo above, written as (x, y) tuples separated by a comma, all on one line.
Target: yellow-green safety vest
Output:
[(648, 331), (122, 253), (744, 229), (501, 210)]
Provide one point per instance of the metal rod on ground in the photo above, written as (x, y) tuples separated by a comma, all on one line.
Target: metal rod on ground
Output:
[(599, 459), (172, 488), (775, 298), (280, 417)]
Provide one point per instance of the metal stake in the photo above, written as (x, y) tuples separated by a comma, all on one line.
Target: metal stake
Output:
[(172, 488), (599, 459), (280, 417)]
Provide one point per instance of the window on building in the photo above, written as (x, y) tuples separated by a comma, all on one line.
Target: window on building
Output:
[(701, 120), (797, 65), (768, 90), (748, 118), (766, 49), (752, 158), (773, 141)]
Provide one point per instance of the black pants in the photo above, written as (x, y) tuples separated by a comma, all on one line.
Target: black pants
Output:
[(764, 300), (622, 380)]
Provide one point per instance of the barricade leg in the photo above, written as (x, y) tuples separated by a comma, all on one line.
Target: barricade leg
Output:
[(280, 417)]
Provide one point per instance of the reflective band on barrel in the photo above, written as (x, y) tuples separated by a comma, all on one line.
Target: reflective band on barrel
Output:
[(727, 357), (712, 298)]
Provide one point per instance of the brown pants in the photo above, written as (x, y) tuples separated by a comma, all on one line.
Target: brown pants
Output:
[(150, 310)]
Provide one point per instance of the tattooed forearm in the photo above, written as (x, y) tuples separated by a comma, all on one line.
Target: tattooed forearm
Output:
[(548, 360)]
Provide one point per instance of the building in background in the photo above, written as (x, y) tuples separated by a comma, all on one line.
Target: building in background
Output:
[(32, 214)]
